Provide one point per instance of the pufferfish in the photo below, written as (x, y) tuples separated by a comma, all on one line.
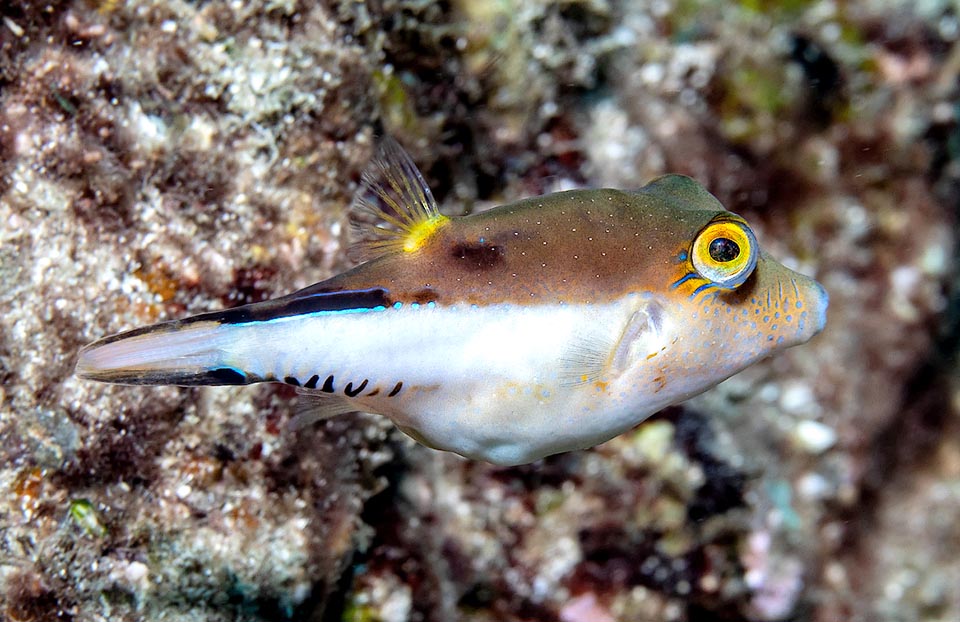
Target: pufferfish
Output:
[(542, 326)]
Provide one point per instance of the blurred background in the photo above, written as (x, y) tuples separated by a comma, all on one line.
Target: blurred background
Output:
[(159, 158)]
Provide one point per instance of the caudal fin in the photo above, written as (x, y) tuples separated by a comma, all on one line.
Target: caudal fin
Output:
[(180, 353)]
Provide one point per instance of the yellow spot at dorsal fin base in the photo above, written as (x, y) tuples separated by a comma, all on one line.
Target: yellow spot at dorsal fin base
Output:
[(394, 211), (422, 231)]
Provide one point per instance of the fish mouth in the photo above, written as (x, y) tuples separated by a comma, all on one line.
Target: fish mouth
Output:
[(819, 314)]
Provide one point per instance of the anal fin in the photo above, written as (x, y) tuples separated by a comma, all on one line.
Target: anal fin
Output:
[(315, 406)]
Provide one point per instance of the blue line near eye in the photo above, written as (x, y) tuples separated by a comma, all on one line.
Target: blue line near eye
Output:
[(683, 280), (701, 288)]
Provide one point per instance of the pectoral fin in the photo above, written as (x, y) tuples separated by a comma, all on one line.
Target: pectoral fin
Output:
[(595, 357), (586, 360)]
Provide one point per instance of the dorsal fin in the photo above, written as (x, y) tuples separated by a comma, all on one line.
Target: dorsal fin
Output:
[(683, 193), (394, 211)]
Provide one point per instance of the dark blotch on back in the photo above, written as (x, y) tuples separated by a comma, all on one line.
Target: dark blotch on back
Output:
[(476, 254), (425, 295)]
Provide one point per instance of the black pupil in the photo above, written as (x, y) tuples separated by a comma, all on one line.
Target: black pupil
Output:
[(723, 250)]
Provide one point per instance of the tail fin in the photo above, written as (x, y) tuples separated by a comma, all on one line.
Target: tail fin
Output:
[(181, 353)]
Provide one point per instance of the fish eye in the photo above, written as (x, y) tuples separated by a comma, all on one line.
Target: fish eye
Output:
[(725, 252)]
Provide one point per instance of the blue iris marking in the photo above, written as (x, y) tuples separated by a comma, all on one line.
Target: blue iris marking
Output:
[(683, 280), (682, 256)]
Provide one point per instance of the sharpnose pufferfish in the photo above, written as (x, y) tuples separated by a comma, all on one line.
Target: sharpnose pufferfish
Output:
[(542, 326)]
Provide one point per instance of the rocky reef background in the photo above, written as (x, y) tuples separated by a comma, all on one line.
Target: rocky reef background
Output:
[(159, 158)]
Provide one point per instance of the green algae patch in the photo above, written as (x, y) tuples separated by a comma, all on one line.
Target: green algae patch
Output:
[(83, 513)]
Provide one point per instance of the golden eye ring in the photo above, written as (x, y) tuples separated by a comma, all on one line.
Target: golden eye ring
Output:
[(725, 253)]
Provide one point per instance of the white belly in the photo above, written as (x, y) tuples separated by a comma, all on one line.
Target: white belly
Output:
[(503, 383)]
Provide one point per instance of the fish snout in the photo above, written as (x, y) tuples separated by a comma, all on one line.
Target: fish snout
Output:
[(809, 307)]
